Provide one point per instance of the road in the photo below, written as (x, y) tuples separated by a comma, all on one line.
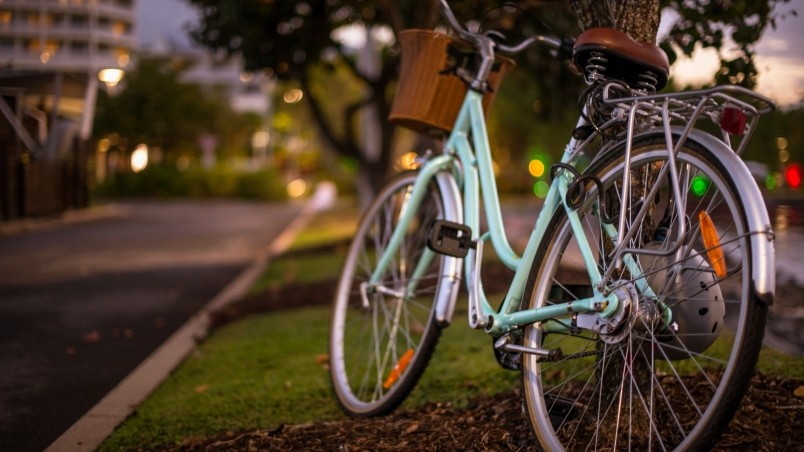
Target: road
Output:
[(81, 305)]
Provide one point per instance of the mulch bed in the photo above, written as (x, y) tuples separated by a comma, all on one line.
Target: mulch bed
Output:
[(769, 419)]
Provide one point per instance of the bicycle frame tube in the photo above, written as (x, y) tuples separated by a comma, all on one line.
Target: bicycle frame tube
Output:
[(477, 159), (478, 178)]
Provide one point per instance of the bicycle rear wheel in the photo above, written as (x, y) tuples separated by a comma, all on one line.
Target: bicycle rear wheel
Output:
[(381, 338), (672, 375)]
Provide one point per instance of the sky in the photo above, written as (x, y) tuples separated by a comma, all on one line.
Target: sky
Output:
[(780, 60), (163, 20), (780, 53)]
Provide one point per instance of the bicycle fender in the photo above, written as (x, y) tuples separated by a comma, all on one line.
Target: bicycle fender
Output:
[(763, 269), (453, 211)]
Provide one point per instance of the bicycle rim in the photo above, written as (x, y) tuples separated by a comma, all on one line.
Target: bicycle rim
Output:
[(652, 383), (381, 343)]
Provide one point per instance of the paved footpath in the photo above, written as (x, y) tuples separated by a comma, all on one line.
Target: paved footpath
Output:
[(83, 303)]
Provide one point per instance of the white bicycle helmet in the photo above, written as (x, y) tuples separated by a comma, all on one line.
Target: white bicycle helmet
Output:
[(696, 302)]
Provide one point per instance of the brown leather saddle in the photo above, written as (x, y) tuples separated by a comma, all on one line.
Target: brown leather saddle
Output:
[(626, 59)]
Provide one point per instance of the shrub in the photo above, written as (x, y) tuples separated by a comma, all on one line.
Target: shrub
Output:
[(164, 181)]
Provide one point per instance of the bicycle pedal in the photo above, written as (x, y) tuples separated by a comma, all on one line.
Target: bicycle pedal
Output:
[(449, 238), (506, 360)]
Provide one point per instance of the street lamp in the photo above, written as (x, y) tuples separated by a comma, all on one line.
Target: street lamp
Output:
[(110, 76)]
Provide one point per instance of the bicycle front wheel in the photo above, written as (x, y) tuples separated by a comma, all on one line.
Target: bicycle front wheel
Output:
[(668, 371), (382, 336)]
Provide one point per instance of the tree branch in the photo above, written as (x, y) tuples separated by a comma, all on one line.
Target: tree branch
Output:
[(349, 118), (392, 14), (346, 147), (353, 67)]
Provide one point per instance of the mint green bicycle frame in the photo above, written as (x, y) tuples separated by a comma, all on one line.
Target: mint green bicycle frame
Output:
[(477, 176)]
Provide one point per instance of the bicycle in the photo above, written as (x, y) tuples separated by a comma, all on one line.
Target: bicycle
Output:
[(637, 309)]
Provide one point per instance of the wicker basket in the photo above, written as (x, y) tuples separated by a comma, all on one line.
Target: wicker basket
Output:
[(428, 99)]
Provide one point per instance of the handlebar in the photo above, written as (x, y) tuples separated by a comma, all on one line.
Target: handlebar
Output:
[(446, 11), (479, 40), (486, 45)]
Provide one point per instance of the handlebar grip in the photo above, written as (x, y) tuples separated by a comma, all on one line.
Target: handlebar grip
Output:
[(453, 22), (566, 48)]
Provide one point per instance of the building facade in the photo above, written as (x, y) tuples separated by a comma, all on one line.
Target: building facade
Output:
[(52, 53)]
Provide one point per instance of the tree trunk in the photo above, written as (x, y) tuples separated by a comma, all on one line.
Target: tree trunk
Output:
[(626, 371), (637, 18)]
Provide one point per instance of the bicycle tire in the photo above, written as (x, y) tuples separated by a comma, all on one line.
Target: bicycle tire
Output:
[(368, 342), (653, 388)]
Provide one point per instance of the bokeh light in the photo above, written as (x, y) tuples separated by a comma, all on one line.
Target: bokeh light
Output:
[(297, 188), (293, 95), (139, 158), (536, 168), (540, 189)]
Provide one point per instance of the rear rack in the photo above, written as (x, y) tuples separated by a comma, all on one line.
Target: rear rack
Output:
[(687, 107)]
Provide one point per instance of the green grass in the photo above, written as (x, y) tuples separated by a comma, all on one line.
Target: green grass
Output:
[(334, 226), (269, 369), (780, 364), (302, 264), (299, 269)]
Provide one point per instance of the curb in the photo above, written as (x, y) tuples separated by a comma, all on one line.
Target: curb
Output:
[(100, 421)]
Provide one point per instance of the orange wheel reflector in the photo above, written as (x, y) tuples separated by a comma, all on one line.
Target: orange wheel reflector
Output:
[(712, 244), (400, 367)]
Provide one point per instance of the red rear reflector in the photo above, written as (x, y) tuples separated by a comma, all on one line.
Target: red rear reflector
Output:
[(732, 120)]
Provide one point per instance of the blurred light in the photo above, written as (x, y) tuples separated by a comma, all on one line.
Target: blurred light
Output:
[(699, 185), (111, 76), (781, 222), (536, 168), (770, 182), (296, 144), (540, 189), (296, 188), (139, 158), (260, 139), (294, 95), (781, 143), (183, 162), (246, 77), (408, 161), (784, 155), (792, 175), (44, 57), (104, 144)]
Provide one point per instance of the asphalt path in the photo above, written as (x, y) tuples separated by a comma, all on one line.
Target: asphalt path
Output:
[(82, 304)]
